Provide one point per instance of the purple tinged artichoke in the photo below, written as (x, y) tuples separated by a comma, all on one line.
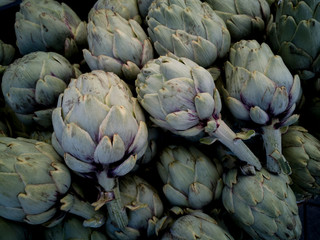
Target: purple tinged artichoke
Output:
[(31, 86), (100, 130), (188, 28), (116, 44), (261, 89), (42, 198), (190, 178), (47, 25), (181, 97)]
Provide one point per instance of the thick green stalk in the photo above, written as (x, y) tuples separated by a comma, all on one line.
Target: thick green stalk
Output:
[(272, 143), (226, 136), (70, 203), (111, 197)]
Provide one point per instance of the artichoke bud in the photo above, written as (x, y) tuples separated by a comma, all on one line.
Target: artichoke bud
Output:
[(37, 199), (243, 19), (181, 28), (48, 25), (190, 178), (190, 224), (31, 88), (301, 150), (271, 205), (143, 205), (108, 33)]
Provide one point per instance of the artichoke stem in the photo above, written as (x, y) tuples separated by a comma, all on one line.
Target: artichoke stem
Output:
[(272, 142), (228, 137), (116, 210), (72, 204)]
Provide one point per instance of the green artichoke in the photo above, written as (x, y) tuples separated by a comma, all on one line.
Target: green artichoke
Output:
[(294, 35), (302, 151), (261, 89), (128, 9), (190, 178), (264, 205), (72, 228), (31, 86), (107, 145), (14, 230), (188, 28), (196, 225), (143, 206), (181, 97), (47, 25), (7, 53), (244, 19), (116, 44), (42, 198)]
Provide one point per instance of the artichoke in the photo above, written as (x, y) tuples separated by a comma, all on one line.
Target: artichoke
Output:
[(143, 205), (128, 9), (302, 151), (264, 205), (14, 230), (190, 178), (294, 35), (31, 86), (188, 28), (47, 25), (42, 198), (7, 52), (261, 89), (116, 44), (107, 145), (72, 228), (181, 97), (244, 19), (195, 225)]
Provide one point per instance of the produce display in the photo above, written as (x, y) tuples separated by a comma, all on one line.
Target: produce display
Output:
[(158, 119)]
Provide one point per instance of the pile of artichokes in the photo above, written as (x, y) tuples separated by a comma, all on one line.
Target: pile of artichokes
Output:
[(158, 119)]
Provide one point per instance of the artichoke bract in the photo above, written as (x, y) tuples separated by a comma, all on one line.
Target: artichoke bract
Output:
[(261, 89), (116, 44), (100, 130), (127, 9), (302, 150), (42, 198), (196, 225), (47, 25), (243, 19), (181, 97), (294, 35), (189, 29), (190, 178), (72, 228), (264, 205), (31, 86), (144, 208)]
